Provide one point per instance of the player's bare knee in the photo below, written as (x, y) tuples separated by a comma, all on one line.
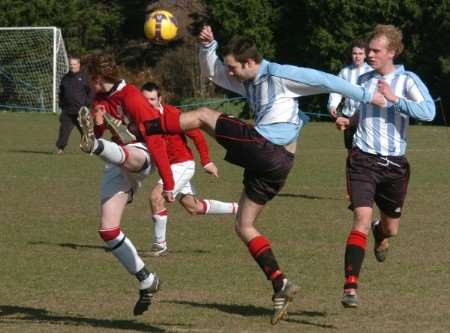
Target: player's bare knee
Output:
[(206, 114), (391, 231), (156, 199), (192, 210), (203, 112), (192, 205)]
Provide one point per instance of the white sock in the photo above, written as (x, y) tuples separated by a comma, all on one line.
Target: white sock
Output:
[(147, 282), (219, 207), (126, 253), (160, 226), (111, 152)]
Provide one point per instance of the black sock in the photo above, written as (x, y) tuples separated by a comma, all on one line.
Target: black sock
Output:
[(378, 233), (142, 274)]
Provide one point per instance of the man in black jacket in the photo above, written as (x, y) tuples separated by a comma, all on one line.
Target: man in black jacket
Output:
[(74, 92)]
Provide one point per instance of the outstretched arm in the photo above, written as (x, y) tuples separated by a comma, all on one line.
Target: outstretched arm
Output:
[(302, 81)]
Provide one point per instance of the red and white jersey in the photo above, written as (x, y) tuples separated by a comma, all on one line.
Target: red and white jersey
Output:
[(177, 146), (125, 100)]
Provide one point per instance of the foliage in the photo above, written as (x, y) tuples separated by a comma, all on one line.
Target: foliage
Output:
[(254, 18), (317, 34), (86, 24), (312, 33)]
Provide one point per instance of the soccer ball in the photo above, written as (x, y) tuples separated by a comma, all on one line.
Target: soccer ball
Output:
[(161, 26)]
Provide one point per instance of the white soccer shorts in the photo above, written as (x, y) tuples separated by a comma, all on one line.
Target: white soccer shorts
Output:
[(182, 175), (117, 180)]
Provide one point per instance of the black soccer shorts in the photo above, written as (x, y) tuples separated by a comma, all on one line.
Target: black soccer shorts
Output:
[(380, 179), (266, 164)]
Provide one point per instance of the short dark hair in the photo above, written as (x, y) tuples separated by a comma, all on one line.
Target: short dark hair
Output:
[(74, 56), (242, 48), (359, 43), (151, 86)]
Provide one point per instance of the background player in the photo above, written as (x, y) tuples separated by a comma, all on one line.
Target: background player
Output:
[(183, 169), (350, 73), (377, 168)]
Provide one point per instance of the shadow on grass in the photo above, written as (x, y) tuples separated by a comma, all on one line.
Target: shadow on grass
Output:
[(41, 152), (73, 246), (251, 310), (20, 314), (306, 196), (146, 253)]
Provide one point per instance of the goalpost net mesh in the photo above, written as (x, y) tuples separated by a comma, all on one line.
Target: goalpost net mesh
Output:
[(32, 63)]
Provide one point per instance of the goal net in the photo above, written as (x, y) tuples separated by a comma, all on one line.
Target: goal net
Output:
[(32, 63)]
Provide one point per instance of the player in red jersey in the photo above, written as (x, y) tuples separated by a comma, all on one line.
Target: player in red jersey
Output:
[(183, 169), (127, 164), (131, 105)]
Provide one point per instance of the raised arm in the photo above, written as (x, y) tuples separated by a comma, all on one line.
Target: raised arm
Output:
[(213, 67)]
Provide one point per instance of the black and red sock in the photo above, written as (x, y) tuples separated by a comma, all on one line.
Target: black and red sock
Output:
[(354, 257), (261, 251)]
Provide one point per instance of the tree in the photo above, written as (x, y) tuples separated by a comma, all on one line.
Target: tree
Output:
[(86, 24), (253, 18)]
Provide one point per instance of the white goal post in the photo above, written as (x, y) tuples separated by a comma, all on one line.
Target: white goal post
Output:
[(32, 63)]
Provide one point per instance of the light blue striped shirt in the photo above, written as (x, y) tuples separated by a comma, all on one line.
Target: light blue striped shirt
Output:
[(382, 130), (351, 74), (273, 94)]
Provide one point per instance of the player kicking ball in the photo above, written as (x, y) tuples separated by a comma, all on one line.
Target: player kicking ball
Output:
[(265, 150), (128, 163)]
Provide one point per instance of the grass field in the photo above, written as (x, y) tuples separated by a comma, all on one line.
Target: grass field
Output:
[(55, 275)]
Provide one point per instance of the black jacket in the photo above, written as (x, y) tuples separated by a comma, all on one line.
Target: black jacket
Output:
[(74, 92)]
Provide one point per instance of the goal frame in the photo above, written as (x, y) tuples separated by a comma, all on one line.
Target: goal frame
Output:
[(57, 34)]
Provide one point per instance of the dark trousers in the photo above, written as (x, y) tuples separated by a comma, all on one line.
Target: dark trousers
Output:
[(67, 122)]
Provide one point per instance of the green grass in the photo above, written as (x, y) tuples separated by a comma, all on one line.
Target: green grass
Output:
[(57, 277)]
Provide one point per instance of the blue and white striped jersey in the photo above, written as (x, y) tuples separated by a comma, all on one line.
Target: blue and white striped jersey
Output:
[(382, 130), (349, 73), (273, 94)]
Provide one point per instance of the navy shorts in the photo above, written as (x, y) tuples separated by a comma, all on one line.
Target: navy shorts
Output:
[(380, 179), (266, 165)]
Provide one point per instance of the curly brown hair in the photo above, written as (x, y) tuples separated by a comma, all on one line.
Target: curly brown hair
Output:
[(104, 67), (392, 34)]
